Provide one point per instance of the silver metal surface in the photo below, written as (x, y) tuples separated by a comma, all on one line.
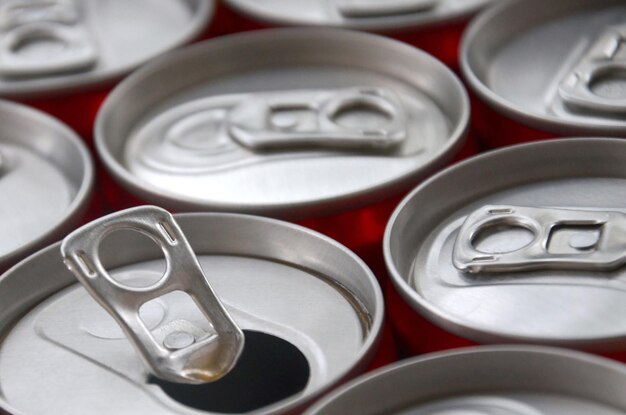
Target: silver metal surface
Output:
[(505, 380), (580, 308), (186, 356), (180, 146), (563, 239), (556, 66), (57, 22), (392, 15), (61, 353), (56, 46), (46, 180)]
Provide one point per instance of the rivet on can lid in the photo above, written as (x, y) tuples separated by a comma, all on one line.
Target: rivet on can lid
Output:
[(179, 340)]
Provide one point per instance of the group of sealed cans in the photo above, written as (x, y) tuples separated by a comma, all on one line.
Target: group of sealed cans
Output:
[(223, 307)]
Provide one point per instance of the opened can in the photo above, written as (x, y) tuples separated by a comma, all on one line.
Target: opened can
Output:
[(511, 380), (310, 311), (289, 123), (547, 69), (520, 245), (432, 25), (62, 56), (46, 181)]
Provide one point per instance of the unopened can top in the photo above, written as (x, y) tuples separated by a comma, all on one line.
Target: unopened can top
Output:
[(46, 180), (55, 46), (524, 244), (557, 66), (284, 122), (310, 310), (359, 14), (502, 380)]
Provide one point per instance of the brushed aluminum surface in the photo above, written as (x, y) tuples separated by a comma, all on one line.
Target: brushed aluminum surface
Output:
[(174, 147), (52, 47), (556, 66), (46, 180), (579, 308), (359, 14), (495, 380), (61, 353)]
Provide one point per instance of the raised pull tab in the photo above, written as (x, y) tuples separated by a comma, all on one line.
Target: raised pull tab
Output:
[(44, 37), (353, 118), (562, 239), (377, 8), (184, 355), (597, 83)]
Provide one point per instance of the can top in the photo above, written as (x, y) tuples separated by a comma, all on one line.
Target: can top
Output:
[(512, 380), (285, 122), (359, 14), (307, 322), (557, 66), (56, 46), (46, 179), (524, 244)]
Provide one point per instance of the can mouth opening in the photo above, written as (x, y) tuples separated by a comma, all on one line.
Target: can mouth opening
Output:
[(269, 370)]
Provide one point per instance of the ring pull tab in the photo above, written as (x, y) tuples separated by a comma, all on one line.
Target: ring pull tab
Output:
[(378, 8), (563, 239), (604, 63), (184, 355), (44, 37), (280, 120)]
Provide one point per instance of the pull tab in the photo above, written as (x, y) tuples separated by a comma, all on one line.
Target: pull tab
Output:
[(185, 356), (563, 239), (319, 119), (377, 8), (43, 37), (604, 63)]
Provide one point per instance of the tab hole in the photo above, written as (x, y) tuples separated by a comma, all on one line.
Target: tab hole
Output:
[(609, 84), (167, 232), (572, 239), (127, 243), (502, 238), (85, 264), (362, 116), (39, 44)]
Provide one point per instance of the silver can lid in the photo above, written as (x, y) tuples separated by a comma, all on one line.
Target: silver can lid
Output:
[(495, 380), (55, 46), (310, 310), (284, 122), (359, 14), (557, 66), (46, 180), (520, 245)]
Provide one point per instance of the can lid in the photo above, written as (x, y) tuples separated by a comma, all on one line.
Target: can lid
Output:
[(560, 67), (278, 118), (359, 14), (54, 46), (46, 178), (307, 322), (502, 380), (525, 246)]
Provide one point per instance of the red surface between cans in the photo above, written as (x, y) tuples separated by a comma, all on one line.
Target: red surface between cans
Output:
[(440, 40), (495, 130)]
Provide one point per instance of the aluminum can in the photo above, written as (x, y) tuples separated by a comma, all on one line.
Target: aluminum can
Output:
[(62, 56), (540, 70), (311, 311), (519, 245), (46, 181), (432, 25), (515, 380), (298, 124)]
